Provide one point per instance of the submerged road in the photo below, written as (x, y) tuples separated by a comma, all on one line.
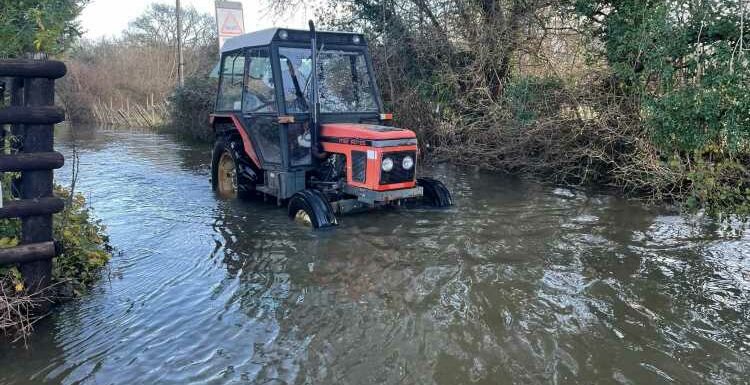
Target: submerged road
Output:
[(516, 284)]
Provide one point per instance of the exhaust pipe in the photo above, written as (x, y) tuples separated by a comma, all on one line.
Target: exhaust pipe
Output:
[(317, 152)]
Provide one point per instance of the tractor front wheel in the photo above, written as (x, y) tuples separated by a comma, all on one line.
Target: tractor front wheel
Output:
[(227, 177), (435, 192), (311, 208)]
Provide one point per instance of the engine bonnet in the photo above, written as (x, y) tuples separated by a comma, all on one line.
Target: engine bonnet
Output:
[(364, 131)]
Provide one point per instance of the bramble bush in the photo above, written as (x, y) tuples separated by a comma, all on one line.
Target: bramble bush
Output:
[(190, 107)]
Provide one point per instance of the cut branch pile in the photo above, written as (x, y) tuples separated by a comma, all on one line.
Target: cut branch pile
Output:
[(19, 312)]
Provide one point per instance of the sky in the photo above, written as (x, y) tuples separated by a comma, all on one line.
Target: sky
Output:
[(106, 18)]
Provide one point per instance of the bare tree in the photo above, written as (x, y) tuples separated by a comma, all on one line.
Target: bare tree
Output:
[(158, 26)]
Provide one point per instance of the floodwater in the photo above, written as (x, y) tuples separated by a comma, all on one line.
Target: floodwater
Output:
[(517, 284)]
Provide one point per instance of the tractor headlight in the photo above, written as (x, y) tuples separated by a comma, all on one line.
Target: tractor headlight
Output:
[(387, 164), (283, 34), (407, 163), (355, 39)]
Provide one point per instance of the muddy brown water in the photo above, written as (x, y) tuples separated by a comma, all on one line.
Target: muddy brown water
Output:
[(519, 283)]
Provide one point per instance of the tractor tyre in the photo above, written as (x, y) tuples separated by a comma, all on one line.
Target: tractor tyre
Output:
[(435, 192), (310, 207), (230, 173)]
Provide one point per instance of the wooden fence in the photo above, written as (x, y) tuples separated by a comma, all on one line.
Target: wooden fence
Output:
[(31, 116), (147, 115)]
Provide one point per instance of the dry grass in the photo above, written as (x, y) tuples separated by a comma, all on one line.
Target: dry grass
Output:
[(112, 81)]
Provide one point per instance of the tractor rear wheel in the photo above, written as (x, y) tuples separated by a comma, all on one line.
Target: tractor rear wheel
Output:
[(228, 178), (311, 208), (435, 192)]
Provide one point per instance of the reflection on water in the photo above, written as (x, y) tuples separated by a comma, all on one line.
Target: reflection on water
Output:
[(518, 283)]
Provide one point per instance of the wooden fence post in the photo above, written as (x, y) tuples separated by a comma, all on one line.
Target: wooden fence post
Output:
[(38, 92), (16, 99), (32, 115), (3, 85)]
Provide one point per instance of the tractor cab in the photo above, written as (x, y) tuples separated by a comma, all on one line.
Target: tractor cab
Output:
[(299, 117)]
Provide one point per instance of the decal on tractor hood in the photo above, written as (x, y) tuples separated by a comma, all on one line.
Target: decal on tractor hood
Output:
[(370, 142)]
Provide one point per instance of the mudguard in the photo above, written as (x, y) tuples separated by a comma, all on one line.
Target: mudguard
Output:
[(247, 144), (321, 211)]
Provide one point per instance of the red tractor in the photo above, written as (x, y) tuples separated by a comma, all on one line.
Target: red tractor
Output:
[(321, 143)]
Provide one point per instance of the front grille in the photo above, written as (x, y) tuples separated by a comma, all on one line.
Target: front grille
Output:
[(359, 166), (398, 174)]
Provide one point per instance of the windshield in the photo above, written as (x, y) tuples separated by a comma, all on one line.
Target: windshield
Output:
[(345, 83)]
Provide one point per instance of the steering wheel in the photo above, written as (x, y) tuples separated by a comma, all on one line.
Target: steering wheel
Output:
[(253, 98), (262, 106)]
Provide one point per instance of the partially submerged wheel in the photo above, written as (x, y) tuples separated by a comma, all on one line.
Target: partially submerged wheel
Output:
[(311, 208), (228, 176), (435, 192)]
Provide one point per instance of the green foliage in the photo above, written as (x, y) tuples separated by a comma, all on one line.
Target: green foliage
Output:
[(10, 276), (10, 231), (684, 66), (528, 97), (719, 187), (684, 61), (713, 112), (190, 107), (85, 246), (30, 26)]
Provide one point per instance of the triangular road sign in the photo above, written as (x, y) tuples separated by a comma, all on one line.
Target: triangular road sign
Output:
[(231, 26)]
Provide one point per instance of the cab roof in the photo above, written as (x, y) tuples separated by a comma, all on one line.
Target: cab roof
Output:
[(267, 36)]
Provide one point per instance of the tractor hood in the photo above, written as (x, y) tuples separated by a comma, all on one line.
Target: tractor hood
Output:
[(364, 131)]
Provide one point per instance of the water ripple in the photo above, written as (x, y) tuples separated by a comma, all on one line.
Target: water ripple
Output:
[(517, 283)]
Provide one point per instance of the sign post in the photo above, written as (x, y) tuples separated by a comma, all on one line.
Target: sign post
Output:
[(229, 20), (180, 60)]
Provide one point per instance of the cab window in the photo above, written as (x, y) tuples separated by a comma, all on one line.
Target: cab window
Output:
[(230, 90), (343, 76), (296, 66), (260, 95)]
